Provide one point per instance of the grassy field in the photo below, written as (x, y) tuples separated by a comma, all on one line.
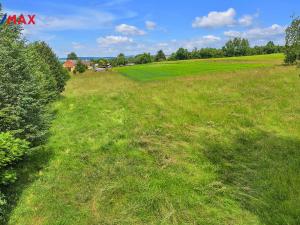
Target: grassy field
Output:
[(164, 70), (218, 148)]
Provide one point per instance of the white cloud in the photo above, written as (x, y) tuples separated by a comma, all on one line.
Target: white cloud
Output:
[(232, 33), (129, 30), (211, 38), (201, 42), (113, 45), (246, 20), (258, 33), (225, 18), (150, 25), (113, 40), (87, 19), (77, 45), (216, 19), (273, 30)]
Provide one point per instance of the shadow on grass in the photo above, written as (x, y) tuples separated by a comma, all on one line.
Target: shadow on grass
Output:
[(264, 171), (27, 173)]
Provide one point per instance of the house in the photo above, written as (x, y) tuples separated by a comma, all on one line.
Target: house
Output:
[(70, 65), (99, 69), (102, 67)]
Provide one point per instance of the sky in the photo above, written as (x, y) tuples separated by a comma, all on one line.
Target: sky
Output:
[(107, 28)]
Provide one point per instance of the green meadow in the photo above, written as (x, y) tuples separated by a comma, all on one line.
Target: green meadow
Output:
[(166, 69), (216, 143)]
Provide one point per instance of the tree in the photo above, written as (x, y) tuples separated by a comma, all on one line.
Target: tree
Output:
[(292, 42), (182, 54), (160, 56), (143, 58), (205, 53), (30, 77), (80, 67), (270, 48), (59, 73), (257, 50), (41, 69), (236, 47), (244, 47), (103, 62), (120, 60), (72, 56)]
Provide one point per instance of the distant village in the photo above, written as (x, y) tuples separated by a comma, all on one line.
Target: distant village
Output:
[(76, 64), (70, 65)]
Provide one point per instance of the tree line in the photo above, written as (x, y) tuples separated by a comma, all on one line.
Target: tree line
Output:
[(31, 77), (234, 47)]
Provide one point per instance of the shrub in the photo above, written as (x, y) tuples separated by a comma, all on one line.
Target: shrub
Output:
[(292, 42), (41, 70), (11, 151), (80, 67), (22, 99), (60, 74)]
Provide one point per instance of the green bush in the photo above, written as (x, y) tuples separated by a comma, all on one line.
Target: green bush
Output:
[(31, 76), (22, 94), (11, 151), (59, 73), (80, 67), (292, 42)]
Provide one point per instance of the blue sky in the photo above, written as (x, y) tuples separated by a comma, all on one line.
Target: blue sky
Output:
[(106, 28)]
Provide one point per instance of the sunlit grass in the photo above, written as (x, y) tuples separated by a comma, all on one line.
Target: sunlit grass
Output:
[(220, 148), (169, 69)]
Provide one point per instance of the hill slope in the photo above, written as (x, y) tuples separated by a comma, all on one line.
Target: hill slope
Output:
[(221, 148)]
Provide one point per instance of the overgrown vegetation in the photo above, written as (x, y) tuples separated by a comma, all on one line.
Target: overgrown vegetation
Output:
[(292, 40), (234, 47), (218, 148), (30, 78), (80, 67)]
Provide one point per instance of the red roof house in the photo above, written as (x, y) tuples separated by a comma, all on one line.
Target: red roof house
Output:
[(70, 65)]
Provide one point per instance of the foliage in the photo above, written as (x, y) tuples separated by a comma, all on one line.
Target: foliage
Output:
[(143, 58), (120, 60), (103, 62), (31, 77), (236, 47), (292, 41), (270, 48), (72, 56), (80, 67), (60, 74), (182, 54), (41, 70), (22, 103), (11, 151), (160, 56)]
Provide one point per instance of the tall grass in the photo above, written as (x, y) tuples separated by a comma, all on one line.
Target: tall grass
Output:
[(220, 148)]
